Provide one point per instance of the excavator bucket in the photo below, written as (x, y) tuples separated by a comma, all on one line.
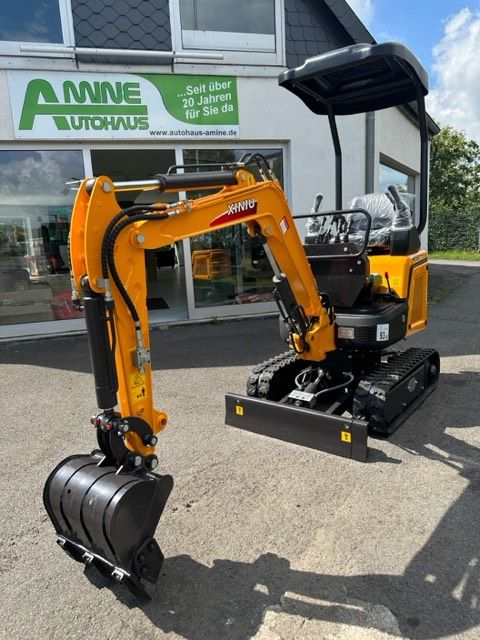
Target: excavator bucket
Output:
[(107, 519)]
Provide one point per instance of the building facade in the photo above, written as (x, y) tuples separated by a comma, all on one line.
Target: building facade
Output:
[(128, 88)]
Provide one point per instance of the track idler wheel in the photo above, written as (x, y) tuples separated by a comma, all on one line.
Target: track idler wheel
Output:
[(106, 518)]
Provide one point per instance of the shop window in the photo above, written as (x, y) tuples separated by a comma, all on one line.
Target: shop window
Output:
[(228, 266), (34, 22), (35, 211), (166, 289), (254, 26)]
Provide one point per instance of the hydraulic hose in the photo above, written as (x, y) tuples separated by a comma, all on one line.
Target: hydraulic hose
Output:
[(129, 211), (110, 246)]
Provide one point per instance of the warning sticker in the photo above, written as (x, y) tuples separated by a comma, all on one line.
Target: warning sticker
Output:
[(239, 410), (284, 225), (138, 387), (346, 436)]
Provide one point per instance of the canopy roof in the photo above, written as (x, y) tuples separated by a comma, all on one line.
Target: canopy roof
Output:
[(357, 79)]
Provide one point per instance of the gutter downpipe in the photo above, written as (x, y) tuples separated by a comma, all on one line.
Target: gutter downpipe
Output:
[(370, 152)]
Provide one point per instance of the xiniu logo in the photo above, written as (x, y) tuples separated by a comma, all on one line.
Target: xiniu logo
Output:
[(244, 205)]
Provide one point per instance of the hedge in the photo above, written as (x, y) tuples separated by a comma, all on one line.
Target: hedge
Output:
[(458, 230)]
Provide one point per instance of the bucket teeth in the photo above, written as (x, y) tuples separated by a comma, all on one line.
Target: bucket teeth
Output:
[(107, 519)]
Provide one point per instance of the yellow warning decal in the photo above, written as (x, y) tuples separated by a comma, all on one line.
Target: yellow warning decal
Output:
[(345, 436), (138, 388), (239, 410)]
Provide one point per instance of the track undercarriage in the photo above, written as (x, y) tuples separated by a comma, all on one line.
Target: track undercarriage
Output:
[(334, 405)]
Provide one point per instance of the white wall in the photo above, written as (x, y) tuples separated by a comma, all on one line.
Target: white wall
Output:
[(6, 124), (398, 138)]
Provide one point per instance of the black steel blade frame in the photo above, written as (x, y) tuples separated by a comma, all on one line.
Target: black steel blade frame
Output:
[(334, 434)]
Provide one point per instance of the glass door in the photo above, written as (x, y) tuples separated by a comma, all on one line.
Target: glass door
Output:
[(165, 268), (230, 271)]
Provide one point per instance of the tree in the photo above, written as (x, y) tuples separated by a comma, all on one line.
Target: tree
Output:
[(454, 171), (454, 191)]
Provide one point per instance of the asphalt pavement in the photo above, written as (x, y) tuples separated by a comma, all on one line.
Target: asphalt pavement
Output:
[(262, 539)]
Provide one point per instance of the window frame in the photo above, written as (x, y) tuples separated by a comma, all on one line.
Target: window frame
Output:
[(389, 163), (226, 42), (413, 179), (14, 48)]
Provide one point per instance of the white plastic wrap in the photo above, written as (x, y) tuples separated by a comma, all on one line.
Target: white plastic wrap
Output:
[(382, 211), (387, 210)]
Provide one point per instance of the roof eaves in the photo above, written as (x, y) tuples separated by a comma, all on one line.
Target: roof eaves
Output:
[(350, 21), (410, 110)]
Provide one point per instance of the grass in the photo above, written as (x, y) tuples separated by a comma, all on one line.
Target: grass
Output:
[(443, 281), (455, 255), (435, 297)]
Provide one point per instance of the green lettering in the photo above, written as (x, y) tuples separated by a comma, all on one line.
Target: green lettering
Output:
[(39, 89), (131, 92), (79, 95), (115, 95)]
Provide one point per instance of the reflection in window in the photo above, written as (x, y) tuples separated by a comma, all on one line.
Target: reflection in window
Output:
[(31, 21), (164, 267), (228, 24), (249, 16), (404, 182), (35, 211), (229, 267)]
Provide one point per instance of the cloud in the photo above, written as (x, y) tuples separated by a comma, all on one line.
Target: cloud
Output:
[(455, 99), (43, 26), (364, 9), (38, 176)]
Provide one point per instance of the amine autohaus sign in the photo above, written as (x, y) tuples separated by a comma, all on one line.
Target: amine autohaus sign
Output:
[(94, 105)]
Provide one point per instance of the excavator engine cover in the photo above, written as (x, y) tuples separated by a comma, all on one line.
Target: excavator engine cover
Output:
[(106, 518)]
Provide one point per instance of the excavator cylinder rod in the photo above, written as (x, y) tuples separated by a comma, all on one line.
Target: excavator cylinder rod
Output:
[(334, 434), (107, 519)]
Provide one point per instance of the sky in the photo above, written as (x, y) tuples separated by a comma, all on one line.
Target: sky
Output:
[(445, 37)]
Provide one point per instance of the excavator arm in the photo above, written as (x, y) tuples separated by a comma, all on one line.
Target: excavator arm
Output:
[(118, 295), (105, 506)]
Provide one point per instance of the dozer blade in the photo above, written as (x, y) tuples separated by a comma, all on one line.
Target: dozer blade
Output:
[(107, 519), (334, 434)]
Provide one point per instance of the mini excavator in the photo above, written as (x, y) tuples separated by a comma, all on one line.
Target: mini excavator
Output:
[(357, 287)]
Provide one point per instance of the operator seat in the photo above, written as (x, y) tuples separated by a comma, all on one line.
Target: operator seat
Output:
[(347, 275)]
